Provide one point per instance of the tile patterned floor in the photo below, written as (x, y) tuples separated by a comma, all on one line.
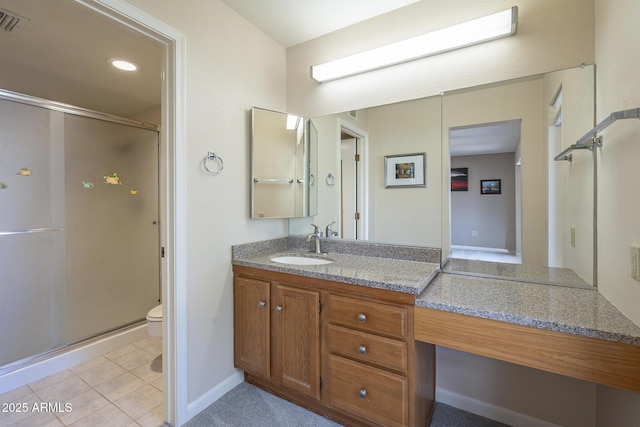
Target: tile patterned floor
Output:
[(121, 388)]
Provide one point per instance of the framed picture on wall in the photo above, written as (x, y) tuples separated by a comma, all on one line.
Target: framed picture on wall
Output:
[(405, 170), (491, 186), (459, 179)]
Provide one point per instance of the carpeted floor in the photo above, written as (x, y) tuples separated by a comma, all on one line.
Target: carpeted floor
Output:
[(249, 406)]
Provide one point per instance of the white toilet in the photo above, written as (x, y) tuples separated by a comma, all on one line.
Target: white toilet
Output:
[(154, 321)]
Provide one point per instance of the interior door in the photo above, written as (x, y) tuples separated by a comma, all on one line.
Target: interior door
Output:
[(349, 190)]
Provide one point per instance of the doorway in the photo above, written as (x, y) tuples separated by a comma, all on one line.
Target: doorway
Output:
[(172, 199), (485, 192), (353, 186)]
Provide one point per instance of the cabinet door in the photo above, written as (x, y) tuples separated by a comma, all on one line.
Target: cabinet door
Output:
[(296, 318), (252, 326)]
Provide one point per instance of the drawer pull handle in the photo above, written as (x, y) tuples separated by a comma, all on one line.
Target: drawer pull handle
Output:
[(279, 308), (362, 349), (363, 393), (362, 317), (262, 304)]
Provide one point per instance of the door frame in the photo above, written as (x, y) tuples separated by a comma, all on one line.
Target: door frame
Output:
[(173, 236)]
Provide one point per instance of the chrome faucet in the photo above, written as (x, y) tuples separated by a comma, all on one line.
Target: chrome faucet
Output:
[(329, 231), (316, 234)]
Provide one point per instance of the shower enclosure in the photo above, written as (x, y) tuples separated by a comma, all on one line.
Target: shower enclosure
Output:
[(79, 235)]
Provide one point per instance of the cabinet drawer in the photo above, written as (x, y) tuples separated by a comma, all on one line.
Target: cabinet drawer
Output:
[(368, 316), (366, 392), (384, 352)]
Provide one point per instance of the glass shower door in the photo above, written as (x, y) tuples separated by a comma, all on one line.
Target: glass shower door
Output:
[(79, 235), (31, 231), (112, 234)]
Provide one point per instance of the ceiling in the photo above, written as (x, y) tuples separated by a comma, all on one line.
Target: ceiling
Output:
[(61, 54), (291, 22), (486, 138)]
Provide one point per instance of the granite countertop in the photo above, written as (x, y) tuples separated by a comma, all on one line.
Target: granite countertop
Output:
[(564, 309), (517, 272), (397, 268), (415, 270)]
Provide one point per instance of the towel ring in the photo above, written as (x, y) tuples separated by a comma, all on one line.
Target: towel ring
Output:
[(213, 156), (331, 180)]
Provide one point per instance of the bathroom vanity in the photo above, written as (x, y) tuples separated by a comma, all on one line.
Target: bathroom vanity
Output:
[(337, 338), (354, 339)]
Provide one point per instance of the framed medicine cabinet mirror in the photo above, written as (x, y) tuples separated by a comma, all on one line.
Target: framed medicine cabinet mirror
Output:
[(282, 165)]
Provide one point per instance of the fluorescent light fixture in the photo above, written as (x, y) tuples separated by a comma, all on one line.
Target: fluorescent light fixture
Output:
[(123, 64), (501, 24), (292, 122)]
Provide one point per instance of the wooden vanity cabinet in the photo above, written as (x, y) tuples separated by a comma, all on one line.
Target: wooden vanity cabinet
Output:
[(252, 325), (277, 333), (296, 344), (341, 350)]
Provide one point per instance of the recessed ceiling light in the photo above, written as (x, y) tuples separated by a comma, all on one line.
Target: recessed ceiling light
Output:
[(123, 64)]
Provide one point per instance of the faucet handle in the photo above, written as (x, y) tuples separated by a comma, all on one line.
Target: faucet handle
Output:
[(329, 230), (316, 229)]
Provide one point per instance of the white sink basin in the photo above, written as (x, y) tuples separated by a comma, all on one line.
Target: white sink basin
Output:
[(300, 260)]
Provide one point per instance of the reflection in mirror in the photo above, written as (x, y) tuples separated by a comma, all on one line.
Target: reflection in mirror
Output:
[(351, 178), (279, 165), (538, 225), (312, 175), (549, 225)]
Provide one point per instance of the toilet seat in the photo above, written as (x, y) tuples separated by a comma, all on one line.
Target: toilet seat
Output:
[(155, 314)]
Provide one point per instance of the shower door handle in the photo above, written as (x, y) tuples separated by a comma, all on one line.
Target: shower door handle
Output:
[(31, 231)]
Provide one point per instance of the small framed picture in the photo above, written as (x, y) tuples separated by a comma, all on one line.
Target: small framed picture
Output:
[(491, 186), (459, 179), (405, 170)]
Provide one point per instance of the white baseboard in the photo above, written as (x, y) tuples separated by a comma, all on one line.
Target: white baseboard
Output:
[(488, 410), (202, 402), (478, 248), (72, 357)]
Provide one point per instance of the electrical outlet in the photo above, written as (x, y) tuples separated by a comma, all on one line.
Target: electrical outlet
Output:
[(635, 262), (474, 233)]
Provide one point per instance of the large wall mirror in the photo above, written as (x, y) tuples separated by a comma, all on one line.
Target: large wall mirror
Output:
[(283, 165), (535, 217)]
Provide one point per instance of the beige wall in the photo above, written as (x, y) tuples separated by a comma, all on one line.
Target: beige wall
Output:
[(230, 67), (405, 215), (618, 88), (513, 394), (571, 184), (492, 217), (551, 35)]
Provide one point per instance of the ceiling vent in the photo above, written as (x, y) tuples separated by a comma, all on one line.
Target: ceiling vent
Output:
[(11, 22)]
